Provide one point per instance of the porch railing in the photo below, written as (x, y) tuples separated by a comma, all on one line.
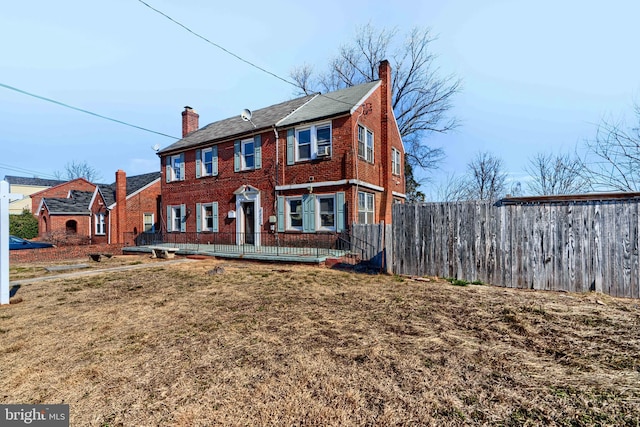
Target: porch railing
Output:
[(279, 244)]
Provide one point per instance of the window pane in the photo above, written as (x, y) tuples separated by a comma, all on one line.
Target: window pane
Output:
[(208, 162), (248, 148), (304, 136), (304, 151), (324, 135), (295, 213), (248, 161), (327, 212)]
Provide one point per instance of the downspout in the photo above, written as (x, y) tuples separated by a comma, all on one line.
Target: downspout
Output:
[(275, 188)]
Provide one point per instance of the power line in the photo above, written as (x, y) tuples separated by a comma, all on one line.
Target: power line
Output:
[(27, 171), (297, 86), (84, 111), (217, 45)]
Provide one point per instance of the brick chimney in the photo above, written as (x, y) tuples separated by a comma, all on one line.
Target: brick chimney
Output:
[(121, 207), (189, 121), (384, 72)]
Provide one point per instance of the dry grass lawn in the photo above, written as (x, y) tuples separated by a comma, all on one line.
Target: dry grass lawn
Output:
[(267, 344)]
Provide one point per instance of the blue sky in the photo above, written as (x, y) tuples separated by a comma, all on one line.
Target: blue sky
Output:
[(537, 76)]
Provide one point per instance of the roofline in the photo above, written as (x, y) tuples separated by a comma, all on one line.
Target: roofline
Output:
[(365, 97), (256, 131), (111, 206), (585, 197), (288, 115), (63, 183)]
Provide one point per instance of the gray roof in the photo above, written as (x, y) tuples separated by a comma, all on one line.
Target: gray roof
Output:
[(36, 182), (134, 183), (289, 113), (76, 203)]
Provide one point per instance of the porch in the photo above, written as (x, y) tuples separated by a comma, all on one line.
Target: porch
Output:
[(280, 247)]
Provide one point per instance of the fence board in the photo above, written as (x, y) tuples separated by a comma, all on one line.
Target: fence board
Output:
[(575, 246)]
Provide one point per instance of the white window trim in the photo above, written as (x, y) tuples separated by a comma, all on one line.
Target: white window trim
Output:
[(366, 210), (396, 163), (153, 222), (203, 218), (203, 166), (319, 226), (174, 175), (174, 210), (288, 225), (365, 155), (313, 144), (100, 224), (243, 162)]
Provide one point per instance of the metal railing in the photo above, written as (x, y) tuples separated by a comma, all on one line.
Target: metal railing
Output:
[(278, 244)]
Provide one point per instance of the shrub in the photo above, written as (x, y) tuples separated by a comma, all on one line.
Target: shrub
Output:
[(24, 225)]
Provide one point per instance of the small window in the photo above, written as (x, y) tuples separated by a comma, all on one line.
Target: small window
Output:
[(100, 228), (327, 212), (207, 162), (248, 154), (365, 143), (176, 168), (176, 218), (294, 219), (304, 144), (395, 162), (148, 223), (365, 208)]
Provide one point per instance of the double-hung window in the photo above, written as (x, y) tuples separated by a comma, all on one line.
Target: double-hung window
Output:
[(100, 229), (176, 168), (326, 212), (313, 142), (175, 221), (365, 143), (207, 161), (294, 217), (248, 154), (148, 224), (207, 217), (365, 208), (395, 161)]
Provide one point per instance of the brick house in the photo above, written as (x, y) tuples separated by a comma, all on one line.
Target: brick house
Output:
[(79, 210), (26, 186), (313, 164)]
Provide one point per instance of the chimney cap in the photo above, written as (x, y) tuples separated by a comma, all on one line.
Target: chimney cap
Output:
[(186, 107)]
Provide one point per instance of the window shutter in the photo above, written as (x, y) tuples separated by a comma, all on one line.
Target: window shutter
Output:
[(257, 152), (169, 224), (340, 220), (280, 213), (198, 217), (290, 147), (214, 161), (167, 169), (183, 220), (215, 216), (182, 167), (308, 213), (198, 163), (236, 156)]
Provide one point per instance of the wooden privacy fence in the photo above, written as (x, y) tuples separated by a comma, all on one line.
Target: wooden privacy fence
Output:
[(570, 246)]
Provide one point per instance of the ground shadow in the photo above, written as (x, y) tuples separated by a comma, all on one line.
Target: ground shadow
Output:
[(13, 290)]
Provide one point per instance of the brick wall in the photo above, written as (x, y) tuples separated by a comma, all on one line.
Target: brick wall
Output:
[(61, 253)]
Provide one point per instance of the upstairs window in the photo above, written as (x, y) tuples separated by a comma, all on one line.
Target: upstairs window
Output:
[(175, 168), (395, 162), (207, 161), (365, 144), (313, 142), (248, 154)]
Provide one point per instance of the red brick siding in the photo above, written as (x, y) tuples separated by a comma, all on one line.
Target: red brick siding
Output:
[(146, 201)]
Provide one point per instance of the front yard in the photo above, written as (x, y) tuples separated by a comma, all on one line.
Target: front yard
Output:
[(267, 344)]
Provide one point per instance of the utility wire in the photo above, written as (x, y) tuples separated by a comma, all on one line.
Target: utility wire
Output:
[(83, 110), (217, 45), (27, 171), (297, 86)]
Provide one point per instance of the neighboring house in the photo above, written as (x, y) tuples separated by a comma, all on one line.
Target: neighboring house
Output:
[(100, 213), (26, 186), (313, 164)]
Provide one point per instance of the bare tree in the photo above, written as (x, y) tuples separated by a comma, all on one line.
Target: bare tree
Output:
[(485, 178), (611, 160), (556, 174), (422, 98), (76, 169), (453, 188)]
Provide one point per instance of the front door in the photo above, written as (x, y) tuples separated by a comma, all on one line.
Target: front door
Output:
[(249, 213)]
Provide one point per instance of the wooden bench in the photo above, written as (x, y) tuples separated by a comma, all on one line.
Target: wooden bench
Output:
[(163, 252), (98, 257)]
